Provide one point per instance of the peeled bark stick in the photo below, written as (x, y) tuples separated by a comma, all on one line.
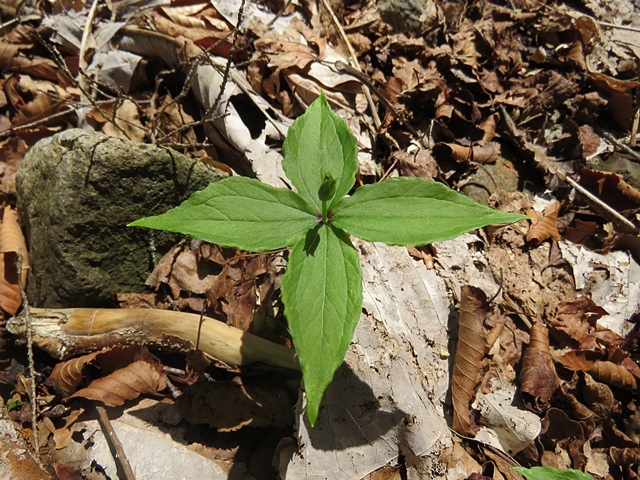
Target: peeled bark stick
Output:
[(64, 333)]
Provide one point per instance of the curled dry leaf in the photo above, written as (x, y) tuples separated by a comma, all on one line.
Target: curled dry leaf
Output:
[(487, 153), (610, 187), (625, 456), (576, 318), (129, 372), (545, 226), (469, 353), (538, 377), (602, 370), (14, 258), (66, 376)]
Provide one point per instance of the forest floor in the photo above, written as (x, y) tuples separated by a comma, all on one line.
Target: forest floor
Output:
[(529, 106)]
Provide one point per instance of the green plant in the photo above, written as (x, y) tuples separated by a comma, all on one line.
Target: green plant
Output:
[(322, 287), (551, 473)]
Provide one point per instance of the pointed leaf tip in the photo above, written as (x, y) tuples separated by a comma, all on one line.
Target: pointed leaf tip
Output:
[(320, 143), (413, 211), (322, 295)]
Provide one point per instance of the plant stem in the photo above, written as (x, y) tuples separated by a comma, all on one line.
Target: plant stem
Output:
[(325, 211)]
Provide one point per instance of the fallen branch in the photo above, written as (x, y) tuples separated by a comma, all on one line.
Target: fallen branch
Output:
[(64, 333)]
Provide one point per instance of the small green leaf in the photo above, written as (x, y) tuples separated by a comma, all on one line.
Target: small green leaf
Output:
[(322, 296), (320, 143), (550, 473), (239, 212), (413, 211), (327, 188)]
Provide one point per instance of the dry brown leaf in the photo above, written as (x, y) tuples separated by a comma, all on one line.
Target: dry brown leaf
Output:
[(599, 397), (195, 30), (13, 256), (469, 353), (625, 457), (12, 152), (538, 378), (424, 253), (67, 376), (575, 318), (487, 153), (452, 151), (10, 299), (182, 272), (13, 58), (245, 283), (419, 164), (390, 472), (12, 240), (580, 231), (185, 15), (169, 117), (611, 188), (127, 118), (546, 226), (130, 372), (602, 370), (286, 52), (619, 96)]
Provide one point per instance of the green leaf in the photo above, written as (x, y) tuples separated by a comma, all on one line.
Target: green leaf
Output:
[(318, 144), (322, 296), (412, 211), (550, 473), (328, 188), (239, 212)]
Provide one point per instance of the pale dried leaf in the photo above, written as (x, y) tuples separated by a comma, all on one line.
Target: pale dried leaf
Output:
[(128, 119)]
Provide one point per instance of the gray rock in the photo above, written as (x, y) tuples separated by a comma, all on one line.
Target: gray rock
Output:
[(402, 15), (620, 163), (76, 192), (486, 179)]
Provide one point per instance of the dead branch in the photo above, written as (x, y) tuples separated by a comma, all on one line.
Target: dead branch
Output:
[(69, 332)]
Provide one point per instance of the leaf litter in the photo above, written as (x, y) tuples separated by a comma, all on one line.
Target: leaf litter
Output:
[(534, 82)]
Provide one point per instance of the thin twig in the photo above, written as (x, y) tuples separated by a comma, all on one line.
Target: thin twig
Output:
[(525, 144), (354, 60), (343, 67), (82, 65), (84, 94), (32, 369), (599, 202), (114, 444), (634, 128), (618, 143), (227, 68), (619, 27), (16, 128)]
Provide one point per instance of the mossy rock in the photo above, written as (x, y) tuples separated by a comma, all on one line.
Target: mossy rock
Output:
[(76, 192)]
